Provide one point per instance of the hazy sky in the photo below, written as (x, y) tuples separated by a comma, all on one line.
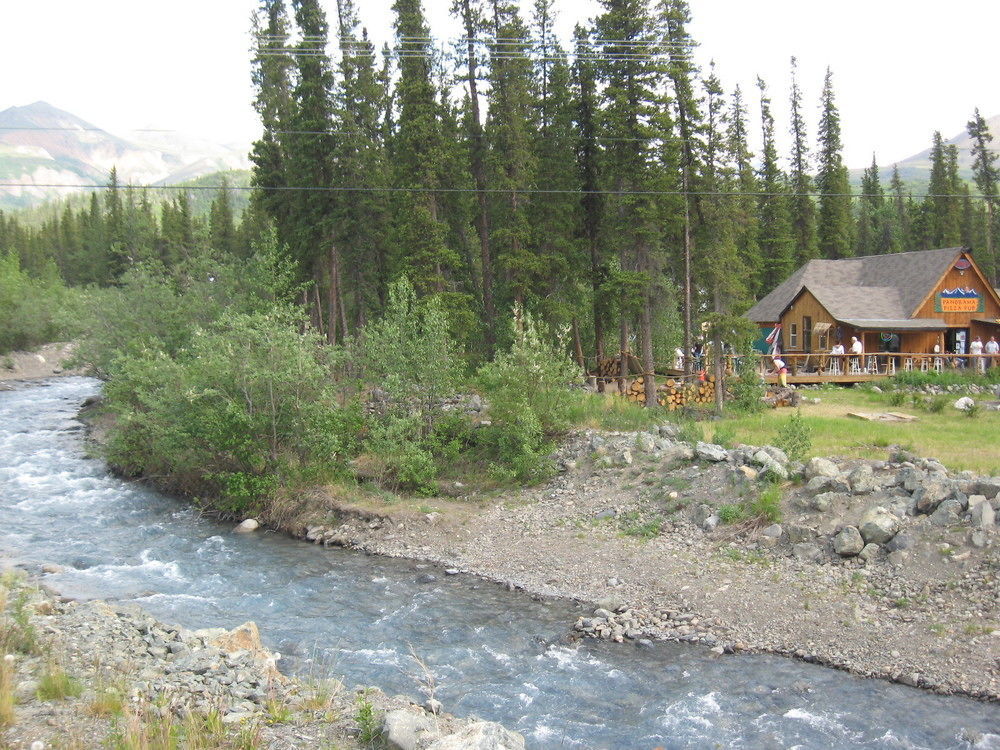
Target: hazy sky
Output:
[(902, 68)]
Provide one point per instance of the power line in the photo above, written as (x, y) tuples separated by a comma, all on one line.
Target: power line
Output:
[(498, 191)]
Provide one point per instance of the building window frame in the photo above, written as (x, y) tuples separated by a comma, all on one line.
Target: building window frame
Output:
[(793, 336)]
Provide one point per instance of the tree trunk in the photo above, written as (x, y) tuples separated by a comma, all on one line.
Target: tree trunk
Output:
[(332, 296), (623, 347), (479, 175), (687, 280), (317, 298), (578, 347), (646, 333)]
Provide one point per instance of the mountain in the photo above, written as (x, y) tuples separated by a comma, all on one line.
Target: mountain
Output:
[(916, 170), (43, 145)]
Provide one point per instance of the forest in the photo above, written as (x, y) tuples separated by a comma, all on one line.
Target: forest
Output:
[(606, 185)]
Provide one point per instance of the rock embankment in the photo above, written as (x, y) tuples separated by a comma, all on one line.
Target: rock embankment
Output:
[(885, 568), (81, 673)]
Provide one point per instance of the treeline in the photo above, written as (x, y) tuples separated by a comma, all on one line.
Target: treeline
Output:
[(608, 187)]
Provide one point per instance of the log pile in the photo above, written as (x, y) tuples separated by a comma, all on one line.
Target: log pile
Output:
[(674, 393), (611, 367), (778, 396)]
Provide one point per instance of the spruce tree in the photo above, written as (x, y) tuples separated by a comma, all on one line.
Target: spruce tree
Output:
[(803, 207), (512, 162), (775, 239), (943, 206), (222, 227), (417, 151), (902, 237), (835, 220), (747, 224), (872, 235), (986, 177), (471, 14)]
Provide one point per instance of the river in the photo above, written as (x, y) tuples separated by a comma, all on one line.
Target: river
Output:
[(496, 654)]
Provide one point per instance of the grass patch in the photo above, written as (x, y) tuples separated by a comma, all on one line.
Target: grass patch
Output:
[(56, 685), (6, 691), (943, 434), (631, 524), (605, 412), (17, 634)]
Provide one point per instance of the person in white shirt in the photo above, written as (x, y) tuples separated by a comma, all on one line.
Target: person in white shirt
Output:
[(857, 349), (836, 364), (991, 347), (976, 349)]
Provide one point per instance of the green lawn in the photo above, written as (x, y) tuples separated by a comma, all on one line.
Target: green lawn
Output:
[(958, 441)]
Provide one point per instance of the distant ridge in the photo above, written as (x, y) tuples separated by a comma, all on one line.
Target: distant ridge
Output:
[(42, 144)]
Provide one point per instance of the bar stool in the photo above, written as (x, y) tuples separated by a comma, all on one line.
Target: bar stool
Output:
[(908, 364)]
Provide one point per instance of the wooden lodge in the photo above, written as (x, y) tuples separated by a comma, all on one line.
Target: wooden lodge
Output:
[(926, 304)]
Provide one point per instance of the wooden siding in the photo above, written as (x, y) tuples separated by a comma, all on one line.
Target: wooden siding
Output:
[(803, 306), (969, 278)]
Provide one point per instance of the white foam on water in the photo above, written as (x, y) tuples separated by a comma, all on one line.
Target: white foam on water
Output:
[(550, 737), (499, 656), (988, 741), (146, 568), (691, 712), (823, 723), (386, 656), (567, 658)]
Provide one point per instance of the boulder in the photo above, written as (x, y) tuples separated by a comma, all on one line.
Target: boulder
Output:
[(245, 527), (862, 480), (983, 516), (878, 525), (947, 513), (964, 404), (645, 443), (988, 486), (848, 542), (807, 552), (869, 552), (817, 485), (668, 431), (776, 453), (773, 531), (408, 730), (480, 735), (824, 501), (931, 493), (897, 558), (702, 513), (904, 540), (798, 534), (820, 467), (978, 538), (770, 467), (710, 452), (974, 500), (745, 473), (910, 478), (246, 638)]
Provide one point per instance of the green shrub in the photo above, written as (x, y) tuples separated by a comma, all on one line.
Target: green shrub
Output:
[(937, 404), (246, 409), (897, 398), (747, 389), (794, 437), (724, 435), (35, 310), (767, 504), (731, 513)]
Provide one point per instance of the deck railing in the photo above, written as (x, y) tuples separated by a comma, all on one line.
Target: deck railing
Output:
[(877, 363)]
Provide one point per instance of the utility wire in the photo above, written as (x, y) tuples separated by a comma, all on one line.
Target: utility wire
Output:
[(499, 191)]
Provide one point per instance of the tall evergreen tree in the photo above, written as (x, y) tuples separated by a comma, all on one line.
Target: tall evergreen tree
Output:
[(512, 162), (873, 235), (471, 14), (902, 237), (835, 219), (987, 177), (221, 225), (775, 239), (943, 206), (747, 225), (803, 207), (417, 153)]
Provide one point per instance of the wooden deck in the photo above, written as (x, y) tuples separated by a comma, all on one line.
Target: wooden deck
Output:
[(814, 378)]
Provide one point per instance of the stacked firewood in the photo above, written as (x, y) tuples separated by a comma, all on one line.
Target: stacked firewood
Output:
[(674, 393)]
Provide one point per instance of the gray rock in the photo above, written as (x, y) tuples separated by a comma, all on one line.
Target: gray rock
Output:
[(668, 431), (839, 484), (773, 531), (964, 404), (978, 538), (869, 552), (777, 454), (823, 502), (975, 500), (711, 523), (897, 558), (645, 443), (798, 534), (947, 513), (848, 542), (878, 525), (931, 493), (773, 469), (701, 513), (820, 467), (408, 730), (807, 552), (625, 457), (983, 516), (25, 690), (988, 486), (480, 735), (710, 452), (862, 480), (902, 541), (247, 526), (817, 484)]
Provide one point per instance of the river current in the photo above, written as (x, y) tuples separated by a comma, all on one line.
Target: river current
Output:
[(496, 654)]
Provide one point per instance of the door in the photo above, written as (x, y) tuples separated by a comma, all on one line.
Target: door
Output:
[(807, 334)]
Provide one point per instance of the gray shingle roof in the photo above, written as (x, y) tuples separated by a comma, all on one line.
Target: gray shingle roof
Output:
[(872, 287)]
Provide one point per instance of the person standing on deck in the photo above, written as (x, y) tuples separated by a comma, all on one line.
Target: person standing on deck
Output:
[(858, 350), (992, 348), (976, 350)]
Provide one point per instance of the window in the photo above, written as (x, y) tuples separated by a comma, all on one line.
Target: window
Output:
[(824, 342), (793, 336), (807, 333)]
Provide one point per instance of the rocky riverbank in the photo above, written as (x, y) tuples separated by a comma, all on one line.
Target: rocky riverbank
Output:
[(885, 568), (79, 675), (44, 362)]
